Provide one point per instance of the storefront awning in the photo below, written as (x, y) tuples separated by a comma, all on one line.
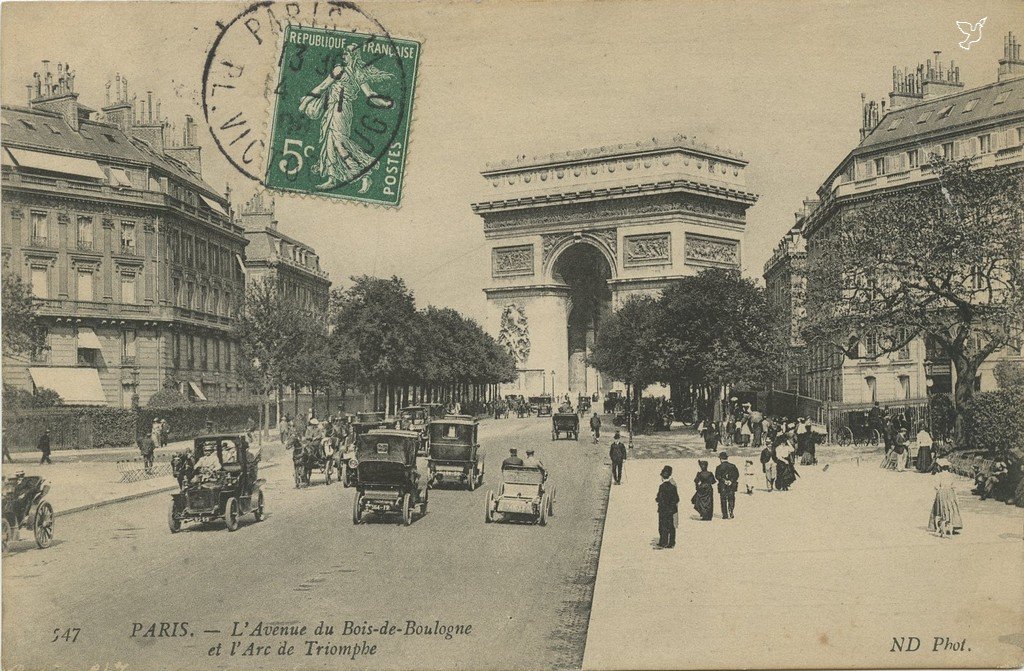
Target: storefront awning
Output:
[(76, 386), (67, 165), (241, 263), (87, 339), (197, 390)]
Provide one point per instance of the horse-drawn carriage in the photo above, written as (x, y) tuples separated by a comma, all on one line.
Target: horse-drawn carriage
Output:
[(220, 479), (319, 454), (524, 494), (386, 480), (454, 453), (567, 423), (25, 507)]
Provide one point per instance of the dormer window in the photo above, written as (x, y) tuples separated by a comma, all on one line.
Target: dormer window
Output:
[(53, 130), (896, 123), (28, 124), (1002, 97), (110, 138), (971, 104), (924, 117), (944, 112)]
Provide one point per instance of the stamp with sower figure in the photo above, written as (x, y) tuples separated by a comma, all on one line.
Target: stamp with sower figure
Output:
[(342, 107)]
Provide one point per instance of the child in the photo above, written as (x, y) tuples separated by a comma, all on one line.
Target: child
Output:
[(748, 476), (945, 517)]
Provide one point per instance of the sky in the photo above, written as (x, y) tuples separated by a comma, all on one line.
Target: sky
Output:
[(779, 81)]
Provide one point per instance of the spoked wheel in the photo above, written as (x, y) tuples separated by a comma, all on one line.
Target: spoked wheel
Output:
[(173, 524), (551, 504), (876, 437), (544, 505), (357, 510), (231, 514), (257, 512), (845, 436), (489, 513), (44, 525), (407, 509), (329, 471), (471, 479), (8, 535), (480, 474)]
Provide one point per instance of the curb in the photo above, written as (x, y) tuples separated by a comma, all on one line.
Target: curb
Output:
[(129, 497)]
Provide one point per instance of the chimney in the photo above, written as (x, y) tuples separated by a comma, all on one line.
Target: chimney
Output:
[(938, 82), (906, 87), (871, 113), (118, 110), (57, 95), (258, 213), (188, 152), (1010, 65)]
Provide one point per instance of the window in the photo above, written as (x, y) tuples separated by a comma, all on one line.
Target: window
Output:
[(215, 307), (871, 346), (971, 104), (110, 138), (227, 356), (216, 355), (84, 284), (53, 130), (229, 308), (924, 117), (880, 166), (128, 288), (191, 351), (896, 123), (127, 237), (903, 354), (40, 229), (914, 158), (1020, 135), (905, 386), (985, 143), (1002, 97), (176, 292), (944, 112), (41, 281), (40, 353), (176, 350), (85, 233), (190, 295), (872, 388), (202, 299), (128, 348), (947, 151), (203, 353)]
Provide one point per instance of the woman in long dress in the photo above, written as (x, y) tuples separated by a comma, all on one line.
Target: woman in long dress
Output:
[(704, 499), (786, 473), (945, 518)]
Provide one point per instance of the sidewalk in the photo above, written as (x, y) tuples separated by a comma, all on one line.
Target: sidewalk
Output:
[(84, 479), (823, 575)]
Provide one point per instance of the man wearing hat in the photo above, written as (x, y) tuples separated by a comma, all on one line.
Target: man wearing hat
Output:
[(617, 453), (512, 459), (668, 506), (533, 462), (728, 477)]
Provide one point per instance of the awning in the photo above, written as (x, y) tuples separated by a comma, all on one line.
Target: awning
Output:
[(76, 386), (213, 205), (241, 263), (5, 157), (197, 390), (67, 165), (87, 339), (119, 177)]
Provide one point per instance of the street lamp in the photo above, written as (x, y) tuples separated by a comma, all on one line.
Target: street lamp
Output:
[(553, 393)]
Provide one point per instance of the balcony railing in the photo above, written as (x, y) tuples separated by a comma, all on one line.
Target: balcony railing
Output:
[(84, 245), (40, 241)]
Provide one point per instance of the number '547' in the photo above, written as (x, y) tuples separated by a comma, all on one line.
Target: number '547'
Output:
[(294, 152), (69, 635)]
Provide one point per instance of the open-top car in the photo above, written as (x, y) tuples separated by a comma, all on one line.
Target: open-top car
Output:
[(524, 494), (567, 423), (541, 405), (25, 507), (221, 481), (387, 481), (454, 452)]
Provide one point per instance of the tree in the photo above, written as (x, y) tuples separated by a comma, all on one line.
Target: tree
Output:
[(21, 333), (629, 347), (940, 261)]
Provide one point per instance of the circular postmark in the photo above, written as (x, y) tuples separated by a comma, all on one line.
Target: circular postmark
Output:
[(312, 98)]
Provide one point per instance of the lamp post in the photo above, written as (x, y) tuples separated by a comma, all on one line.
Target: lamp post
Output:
[(553, 393)]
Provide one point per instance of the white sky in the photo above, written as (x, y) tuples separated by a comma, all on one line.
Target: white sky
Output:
[(779, 81)]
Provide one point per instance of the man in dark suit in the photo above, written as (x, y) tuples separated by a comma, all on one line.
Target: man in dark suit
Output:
[(512, 459), (617, 454), (728, 477), (668, 506), (44, 446)]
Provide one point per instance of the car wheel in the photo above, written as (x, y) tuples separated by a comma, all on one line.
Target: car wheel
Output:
[(357, 510), (43, 526), (471, 479), (8, 536), (231, 514), (542, 519), (489, 512), (551, 505), (554, 435), (258, 510), (407, 509), (423, 504), (343, 476), (172, 523)]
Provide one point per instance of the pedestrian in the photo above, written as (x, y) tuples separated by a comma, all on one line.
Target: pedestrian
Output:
[(785, 472), (768, 465), (617, 453), (146, 448), (7, 453), (282, 430), (945, 517), (155, 431), (668, 508), (757, 426), (925, 456), (805, 445), (711, 437), (748, 476), (728, 477), (250, 428), (44, 446), (595, 427), (165, 431), (704, 498), (901, 448)]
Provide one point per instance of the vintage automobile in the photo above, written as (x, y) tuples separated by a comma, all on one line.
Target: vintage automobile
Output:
[(230, 488), (434, 410), (540, 405), (368, 421), (25, 507), (454, 453), (387, 481), (524, 494), (567, 423), (416, 418)]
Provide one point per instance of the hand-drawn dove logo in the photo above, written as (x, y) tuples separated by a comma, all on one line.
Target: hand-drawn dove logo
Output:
[(973, 32)]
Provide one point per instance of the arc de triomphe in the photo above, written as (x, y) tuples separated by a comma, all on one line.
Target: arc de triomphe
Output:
[(571, 235)]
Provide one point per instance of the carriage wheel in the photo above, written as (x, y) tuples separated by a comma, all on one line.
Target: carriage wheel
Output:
[(845, 436), (876, 437), (542, 519), (357, 510), (7, 535), (489, 511), (173, 523), (423, 503), (554, 435), (407, 509), (257, 512), (231, 514), (471, 479), (551, 504), (44, 525)]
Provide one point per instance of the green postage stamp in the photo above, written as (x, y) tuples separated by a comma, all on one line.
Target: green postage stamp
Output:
[(341, 117)]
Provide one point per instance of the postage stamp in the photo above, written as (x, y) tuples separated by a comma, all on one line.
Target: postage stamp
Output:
[(342, 110)]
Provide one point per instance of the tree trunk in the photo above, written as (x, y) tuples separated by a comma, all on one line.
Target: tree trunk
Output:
[(963, 392)]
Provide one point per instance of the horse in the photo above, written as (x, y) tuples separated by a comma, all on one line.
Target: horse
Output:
[(183, 465)]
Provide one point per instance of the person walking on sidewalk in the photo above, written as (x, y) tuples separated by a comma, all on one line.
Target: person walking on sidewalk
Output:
[(146, 447), (7, 454), (617, 453), (668, 507), (728, 477), (768, 466), (44, 446), (595, 427)]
